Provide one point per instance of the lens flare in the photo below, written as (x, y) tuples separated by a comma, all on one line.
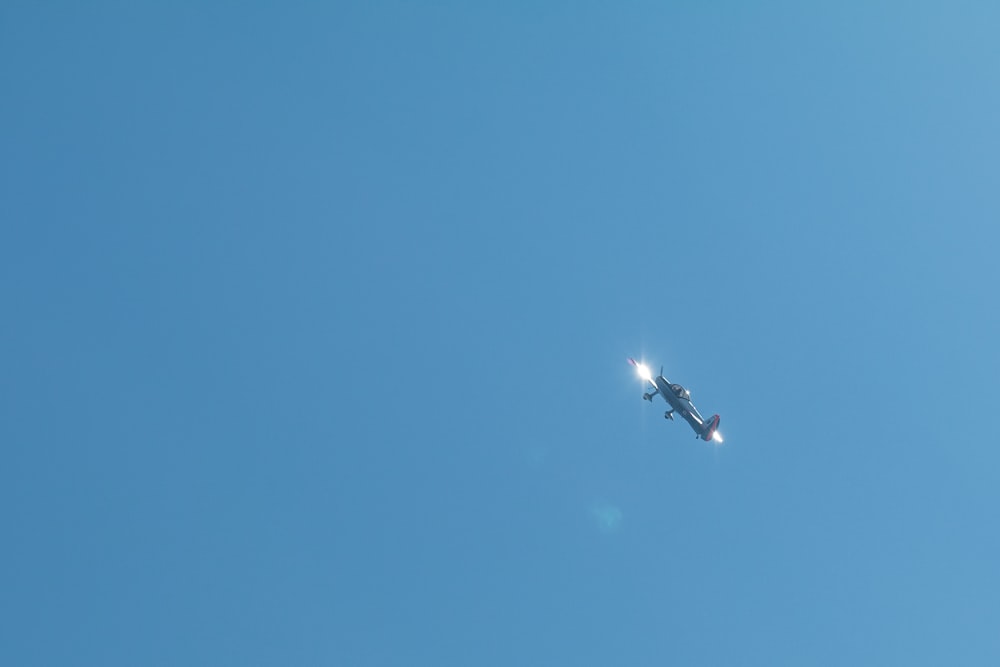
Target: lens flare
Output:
[(717, 437)]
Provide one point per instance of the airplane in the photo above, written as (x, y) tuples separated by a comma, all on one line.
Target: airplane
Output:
[(679, 400)]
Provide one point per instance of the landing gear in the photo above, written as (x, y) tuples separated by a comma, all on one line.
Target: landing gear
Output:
[(647, 397), (669, 414)]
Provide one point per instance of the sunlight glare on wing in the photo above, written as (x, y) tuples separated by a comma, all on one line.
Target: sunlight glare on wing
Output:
[(717, 437), (643, 372)]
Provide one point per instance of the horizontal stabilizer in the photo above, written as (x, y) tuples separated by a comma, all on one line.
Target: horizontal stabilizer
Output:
[(711, 426)]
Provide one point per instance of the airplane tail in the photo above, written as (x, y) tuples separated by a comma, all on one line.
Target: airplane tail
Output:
[(711, 426)]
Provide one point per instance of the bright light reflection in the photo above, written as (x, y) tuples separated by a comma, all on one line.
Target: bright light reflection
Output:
[(717, 437), (643, 372)]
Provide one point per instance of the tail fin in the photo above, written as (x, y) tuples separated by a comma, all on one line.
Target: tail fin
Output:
[(711, 426)]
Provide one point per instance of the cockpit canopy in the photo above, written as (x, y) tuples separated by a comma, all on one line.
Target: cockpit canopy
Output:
[(680, 392)]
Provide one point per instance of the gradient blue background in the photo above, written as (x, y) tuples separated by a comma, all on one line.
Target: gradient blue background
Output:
[(315, 319)]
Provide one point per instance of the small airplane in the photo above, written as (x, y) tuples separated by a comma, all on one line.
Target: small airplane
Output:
[(679, 400)]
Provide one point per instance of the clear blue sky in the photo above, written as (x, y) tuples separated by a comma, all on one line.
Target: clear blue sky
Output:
[(315, 320)]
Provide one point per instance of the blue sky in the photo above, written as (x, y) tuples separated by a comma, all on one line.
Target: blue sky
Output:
[(316, 320)]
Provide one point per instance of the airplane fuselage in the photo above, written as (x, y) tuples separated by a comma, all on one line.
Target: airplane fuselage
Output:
[(679, 401)]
